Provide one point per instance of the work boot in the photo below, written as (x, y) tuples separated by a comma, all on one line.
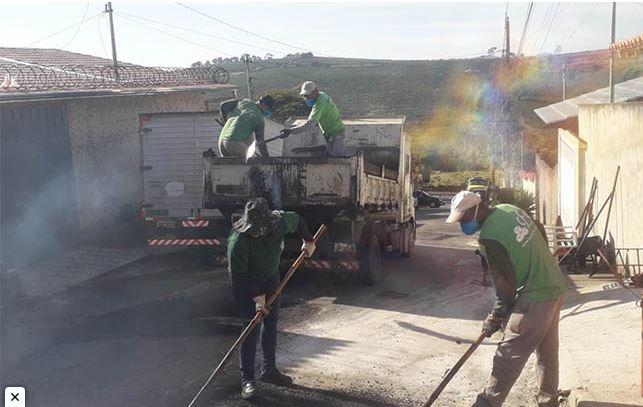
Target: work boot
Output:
[(248, 390), (275, 377)]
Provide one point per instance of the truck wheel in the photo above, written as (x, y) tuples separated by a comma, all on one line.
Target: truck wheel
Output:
[(370, 262), (408, 244)]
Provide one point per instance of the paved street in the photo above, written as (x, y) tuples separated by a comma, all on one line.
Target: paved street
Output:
[(149, 334)]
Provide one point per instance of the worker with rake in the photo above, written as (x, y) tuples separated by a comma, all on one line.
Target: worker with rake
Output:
[(254, 252), (529, 295)]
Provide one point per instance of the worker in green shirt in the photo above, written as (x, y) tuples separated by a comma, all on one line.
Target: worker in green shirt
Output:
[(325, 114), (246, 118), (254, 252), (529, 295)]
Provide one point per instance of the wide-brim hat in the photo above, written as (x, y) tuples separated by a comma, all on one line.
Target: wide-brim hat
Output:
[(257, 219)]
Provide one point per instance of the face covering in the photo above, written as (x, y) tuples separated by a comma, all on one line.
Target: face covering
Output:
[(310, 102), (267, 113), (471, 227)]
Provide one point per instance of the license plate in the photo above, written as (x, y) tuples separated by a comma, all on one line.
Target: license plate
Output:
[(166, 224)]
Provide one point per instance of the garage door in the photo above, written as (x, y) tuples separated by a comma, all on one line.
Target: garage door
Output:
[(38, 195)]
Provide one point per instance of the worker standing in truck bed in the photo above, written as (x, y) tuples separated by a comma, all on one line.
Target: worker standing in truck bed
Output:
[(326, 115), (246, 118)]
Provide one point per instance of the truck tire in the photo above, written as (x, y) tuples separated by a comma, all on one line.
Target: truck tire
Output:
[(408, 242), (370, 262)]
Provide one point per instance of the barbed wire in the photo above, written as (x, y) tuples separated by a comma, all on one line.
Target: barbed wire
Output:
[(30, 77)]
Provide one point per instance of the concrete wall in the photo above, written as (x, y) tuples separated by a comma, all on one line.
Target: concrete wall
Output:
[(571, 176), (106, 152), (546, 192), (614, 136)]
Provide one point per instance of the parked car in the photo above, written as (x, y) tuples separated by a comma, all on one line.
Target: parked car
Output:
[(423, 198)]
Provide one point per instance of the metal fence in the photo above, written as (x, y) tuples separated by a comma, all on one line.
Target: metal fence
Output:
[(34, 78)]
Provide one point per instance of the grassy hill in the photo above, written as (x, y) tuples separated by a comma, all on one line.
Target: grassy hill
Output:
[(443, 99)]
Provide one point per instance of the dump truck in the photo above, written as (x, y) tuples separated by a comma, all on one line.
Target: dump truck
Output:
[(365, 198), (172, 147)]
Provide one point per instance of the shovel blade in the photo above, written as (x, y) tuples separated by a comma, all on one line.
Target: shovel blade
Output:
[(252, 149)]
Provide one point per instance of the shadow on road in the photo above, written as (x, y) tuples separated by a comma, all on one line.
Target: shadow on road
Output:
[(425, 331)]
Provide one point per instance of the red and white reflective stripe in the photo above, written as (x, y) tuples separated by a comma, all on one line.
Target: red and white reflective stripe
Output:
[(183, 242), (195, 223), (323, 264)]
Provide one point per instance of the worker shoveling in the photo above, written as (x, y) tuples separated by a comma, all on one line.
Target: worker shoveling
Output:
[(529, 294), (254, 251)]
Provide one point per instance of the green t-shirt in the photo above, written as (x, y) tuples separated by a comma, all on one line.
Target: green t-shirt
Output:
[(538, 277), (326, 114), (258, 258), (244, 119)]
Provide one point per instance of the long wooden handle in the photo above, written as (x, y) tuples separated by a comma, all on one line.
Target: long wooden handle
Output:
[(454, 370), (259, 315)]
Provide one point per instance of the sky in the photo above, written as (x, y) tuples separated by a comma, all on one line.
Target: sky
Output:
[(412, 31)]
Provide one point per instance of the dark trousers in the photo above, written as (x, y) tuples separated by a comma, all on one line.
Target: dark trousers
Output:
[(243, 292)]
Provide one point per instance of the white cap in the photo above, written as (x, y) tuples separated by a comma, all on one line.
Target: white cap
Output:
[(307, 88), (462, 201)]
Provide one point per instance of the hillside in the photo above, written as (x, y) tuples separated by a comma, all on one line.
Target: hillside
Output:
[(443, 100)]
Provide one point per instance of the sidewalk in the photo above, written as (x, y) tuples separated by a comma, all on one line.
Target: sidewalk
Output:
[(600, 343), (68, 269)]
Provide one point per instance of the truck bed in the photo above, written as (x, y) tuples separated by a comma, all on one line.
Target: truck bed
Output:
[(296, 182)]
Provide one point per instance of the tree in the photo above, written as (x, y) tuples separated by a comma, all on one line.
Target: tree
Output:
[(268, 56)]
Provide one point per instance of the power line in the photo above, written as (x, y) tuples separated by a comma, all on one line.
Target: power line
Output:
[(100, 35), (197, 32), (587, 15), (62, 30), (243, 29), (175, 36), (524, 29), (79, 27), (551, 23)]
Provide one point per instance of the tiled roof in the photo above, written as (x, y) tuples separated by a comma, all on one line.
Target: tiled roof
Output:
[(49, 56)]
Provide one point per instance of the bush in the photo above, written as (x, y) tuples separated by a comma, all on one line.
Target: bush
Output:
[(517, 197)]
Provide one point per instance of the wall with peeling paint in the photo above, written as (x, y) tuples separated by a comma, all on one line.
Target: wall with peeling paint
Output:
[(614, 136)]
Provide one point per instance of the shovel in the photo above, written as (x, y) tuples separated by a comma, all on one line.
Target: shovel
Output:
[(454, 370), (252, 148)]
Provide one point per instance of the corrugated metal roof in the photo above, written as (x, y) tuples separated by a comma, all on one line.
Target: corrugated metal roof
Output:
[(567, 109)]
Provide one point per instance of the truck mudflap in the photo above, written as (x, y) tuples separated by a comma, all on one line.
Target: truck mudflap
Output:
[(183, 242)]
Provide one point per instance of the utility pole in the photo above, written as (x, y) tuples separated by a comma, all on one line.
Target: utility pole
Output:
[(564, 78), (246, 60), (108, 9), (507, 40), (612, 52)]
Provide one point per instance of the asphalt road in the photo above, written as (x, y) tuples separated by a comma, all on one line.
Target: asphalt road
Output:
[(149, 334)]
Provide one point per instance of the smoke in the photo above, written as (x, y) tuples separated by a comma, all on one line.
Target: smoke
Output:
[(38, 224)]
